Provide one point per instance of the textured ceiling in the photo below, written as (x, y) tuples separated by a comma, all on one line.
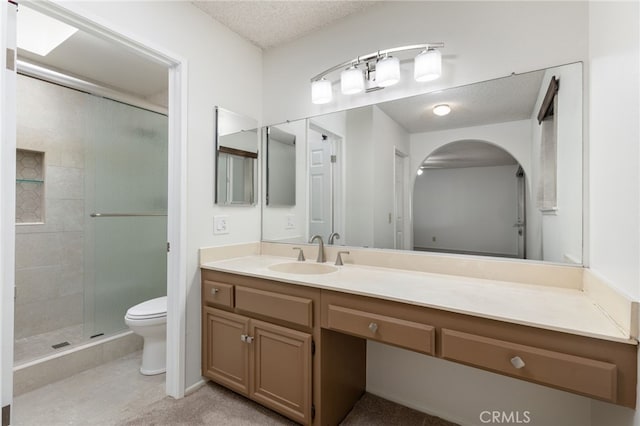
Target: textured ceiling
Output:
[(269, 23), (494, 101)]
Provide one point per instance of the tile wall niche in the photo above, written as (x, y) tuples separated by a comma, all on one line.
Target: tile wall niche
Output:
[(29, 187), (49, 254)]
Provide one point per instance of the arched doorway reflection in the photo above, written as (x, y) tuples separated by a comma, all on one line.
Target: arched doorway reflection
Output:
[(469, 197)]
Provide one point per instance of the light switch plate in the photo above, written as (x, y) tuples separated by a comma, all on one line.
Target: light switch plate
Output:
[(220, 225)]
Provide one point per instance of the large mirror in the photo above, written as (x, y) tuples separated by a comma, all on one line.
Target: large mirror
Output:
[(499, 175), (281, 167), (236, 158)]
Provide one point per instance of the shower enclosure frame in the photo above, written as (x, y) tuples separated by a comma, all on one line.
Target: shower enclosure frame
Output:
[(176, 212)]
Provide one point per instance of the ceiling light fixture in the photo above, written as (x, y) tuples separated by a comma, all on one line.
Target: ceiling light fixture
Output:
[(39, 33), (441, 110), (377, 70)]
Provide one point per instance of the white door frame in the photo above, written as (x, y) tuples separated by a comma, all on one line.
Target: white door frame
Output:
[(7, 202), (398, 153), (177, 183)]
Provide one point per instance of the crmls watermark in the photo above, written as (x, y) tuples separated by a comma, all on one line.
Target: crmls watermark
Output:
[(505, 417)]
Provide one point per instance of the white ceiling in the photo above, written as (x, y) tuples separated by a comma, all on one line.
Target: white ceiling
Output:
[(494, 101), (92, 58), (269, 23)]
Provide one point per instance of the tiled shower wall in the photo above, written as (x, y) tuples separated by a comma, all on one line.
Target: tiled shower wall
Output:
[(49, 256)]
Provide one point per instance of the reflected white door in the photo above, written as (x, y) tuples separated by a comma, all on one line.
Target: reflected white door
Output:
[(521, 222), (320, 198), (400, 200), (7, 200)]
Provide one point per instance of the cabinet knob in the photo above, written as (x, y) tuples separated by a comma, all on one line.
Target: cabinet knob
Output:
[(243, 338), (517, 362), (249, 339), (214, 291), (373, 327)]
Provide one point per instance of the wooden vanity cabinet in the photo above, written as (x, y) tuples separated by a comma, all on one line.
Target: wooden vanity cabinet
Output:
[(258, 339), (595, 368), (225, 357), (301, 351)]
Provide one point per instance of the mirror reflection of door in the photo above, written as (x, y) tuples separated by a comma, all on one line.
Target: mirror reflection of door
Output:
[(469, 198), (401, 207), (324, 181)]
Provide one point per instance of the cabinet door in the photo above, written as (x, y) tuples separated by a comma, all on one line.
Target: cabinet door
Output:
[(225, 357), (281, 370)]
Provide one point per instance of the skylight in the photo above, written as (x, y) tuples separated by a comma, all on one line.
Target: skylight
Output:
[(39, 33)]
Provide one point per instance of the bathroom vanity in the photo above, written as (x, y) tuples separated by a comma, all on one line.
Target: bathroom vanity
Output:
[(293, 338)]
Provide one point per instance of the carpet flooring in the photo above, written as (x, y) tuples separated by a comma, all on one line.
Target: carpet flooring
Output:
[(214, 405)]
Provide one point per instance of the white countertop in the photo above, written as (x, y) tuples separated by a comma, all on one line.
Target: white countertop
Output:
[(551, 308)]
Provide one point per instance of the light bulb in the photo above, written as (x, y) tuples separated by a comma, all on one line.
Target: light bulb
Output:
[(387, 71), (321, 91), (427, 65), (351, 81), (441, 110)]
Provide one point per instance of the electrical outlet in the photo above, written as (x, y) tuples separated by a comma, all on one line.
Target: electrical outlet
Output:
[(220, 225), (290, 222)]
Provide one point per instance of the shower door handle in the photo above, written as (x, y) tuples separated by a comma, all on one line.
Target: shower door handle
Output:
[(126, 214)]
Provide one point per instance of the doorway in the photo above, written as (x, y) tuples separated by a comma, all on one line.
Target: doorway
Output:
[(469, 198), (175, 227), (325, 184)]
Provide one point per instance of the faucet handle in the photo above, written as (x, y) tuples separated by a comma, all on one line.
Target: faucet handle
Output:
[(300, 254), (339, 258)]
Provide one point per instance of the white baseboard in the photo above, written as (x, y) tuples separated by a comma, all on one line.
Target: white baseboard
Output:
[(194, 387)]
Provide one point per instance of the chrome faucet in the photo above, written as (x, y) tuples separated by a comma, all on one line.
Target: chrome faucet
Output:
[(300, 254), (334, 235), (321, 258), (339, 258)]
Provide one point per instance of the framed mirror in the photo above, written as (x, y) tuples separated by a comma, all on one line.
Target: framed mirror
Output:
[(499, 175), (236, 139)]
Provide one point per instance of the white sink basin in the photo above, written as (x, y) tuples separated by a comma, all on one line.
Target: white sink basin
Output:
[(303, 268)]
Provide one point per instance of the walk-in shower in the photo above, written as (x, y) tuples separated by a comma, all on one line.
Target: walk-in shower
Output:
[(91, 203)]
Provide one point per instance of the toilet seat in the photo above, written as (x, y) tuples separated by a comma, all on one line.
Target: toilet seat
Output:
[(151, 309)]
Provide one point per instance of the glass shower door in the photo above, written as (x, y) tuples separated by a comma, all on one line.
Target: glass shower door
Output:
[(126, 205)]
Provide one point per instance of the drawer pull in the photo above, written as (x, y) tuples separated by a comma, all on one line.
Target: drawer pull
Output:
[(214, 291), (373, 327), (517, 362)]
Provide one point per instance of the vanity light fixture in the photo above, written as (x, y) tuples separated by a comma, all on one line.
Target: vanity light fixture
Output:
[(441, 110), (377, 70)]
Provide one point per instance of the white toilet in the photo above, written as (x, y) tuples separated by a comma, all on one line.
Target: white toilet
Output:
[(149, 320)]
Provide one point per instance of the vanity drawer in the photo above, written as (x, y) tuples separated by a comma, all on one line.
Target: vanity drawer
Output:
[(573, 373), (217, 294), (297, 310), (395, 331)]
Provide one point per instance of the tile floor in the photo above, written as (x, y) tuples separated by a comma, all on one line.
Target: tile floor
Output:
[(39, 345), (116, 394)]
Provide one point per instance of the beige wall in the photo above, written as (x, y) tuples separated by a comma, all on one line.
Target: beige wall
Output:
[(49, 256)]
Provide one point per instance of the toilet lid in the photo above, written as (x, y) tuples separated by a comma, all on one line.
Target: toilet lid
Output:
[(153, 308)]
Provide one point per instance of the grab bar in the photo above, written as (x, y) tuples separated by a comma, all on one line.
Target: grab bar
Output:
[(125, 214)]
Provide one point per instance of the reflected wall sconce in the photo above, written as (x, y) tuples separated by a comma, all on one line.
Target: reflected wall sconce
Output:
[(377, 70)]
